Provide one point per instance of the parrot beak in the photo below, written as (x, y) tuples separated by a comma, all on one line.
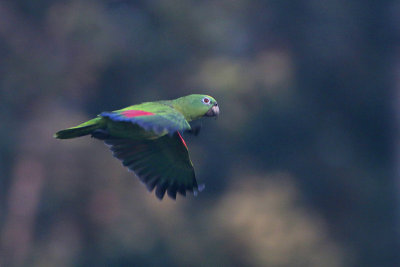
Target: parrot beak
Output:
[(213, 112)]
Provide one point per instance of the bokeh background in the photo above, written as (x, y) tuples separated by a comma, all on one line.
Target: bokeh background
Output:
[(300, 167)]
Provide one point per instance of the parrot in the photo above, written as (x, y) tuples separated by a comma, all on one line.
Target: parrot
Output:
[(147, 138)]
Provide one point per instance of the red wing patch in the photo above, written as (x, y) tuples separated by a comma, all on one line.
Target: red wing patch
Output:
[(135, 113), (183, 141)]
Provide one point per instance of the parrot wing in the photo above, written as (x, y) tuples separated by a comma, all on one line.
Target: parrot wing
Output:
[(163, 163), (152, 116)]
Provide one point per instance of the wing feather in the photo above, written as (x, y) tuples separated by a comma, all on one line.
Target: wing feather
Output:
[(162, 164), (156, 117)]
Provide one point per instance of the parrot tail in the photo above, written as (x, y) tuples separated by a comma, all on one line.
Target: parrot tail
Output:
[(80, 130)]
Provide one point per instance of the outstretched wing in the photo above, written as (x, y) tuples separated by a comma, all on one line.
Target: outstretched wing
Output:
[(163, 163), (152, 116)]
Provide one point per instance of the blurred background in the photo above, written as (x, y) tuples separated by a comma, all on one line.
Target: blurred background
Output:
[(300, 167)]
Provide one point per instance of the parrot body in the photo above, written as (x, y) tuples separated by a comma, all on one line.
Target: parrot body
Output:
[(146, 138)]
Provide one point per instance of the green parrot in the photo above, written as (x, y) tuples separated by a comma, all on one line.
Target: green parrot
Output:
[(147, 139)]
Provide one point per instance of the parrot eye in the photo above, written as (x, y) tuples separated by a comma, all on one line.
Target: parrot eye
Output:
[(206, 101)]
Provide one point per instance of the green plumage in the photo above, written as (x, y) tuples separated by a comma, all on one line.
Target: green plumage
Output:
[(82, 129), (146, 138)]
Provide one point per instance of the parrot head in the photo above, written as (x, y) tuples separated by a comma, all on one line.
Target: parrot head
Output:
[(196, 106)]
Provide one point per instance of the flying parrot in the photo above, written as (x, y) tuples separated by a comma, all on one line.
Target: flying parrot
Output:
[(147, 139)]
